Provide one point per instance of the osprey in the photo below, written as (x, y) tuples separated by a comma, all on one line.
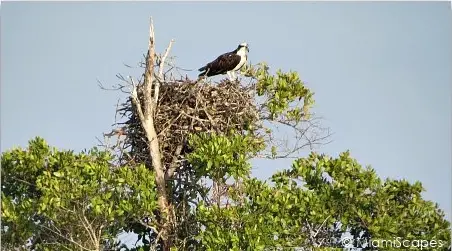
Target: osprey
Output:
[(228, 63)]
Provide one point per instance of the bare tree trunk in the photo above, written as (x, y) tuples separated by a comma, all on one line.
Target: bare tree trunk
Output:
[(146, 113)]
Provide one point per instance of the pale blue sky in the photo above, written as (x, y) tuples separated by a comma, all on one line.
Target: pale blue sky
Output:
[(381, 71)]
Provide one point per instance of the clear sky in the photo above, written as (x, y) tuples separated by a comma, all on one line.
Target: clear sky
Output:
[(381, 71)]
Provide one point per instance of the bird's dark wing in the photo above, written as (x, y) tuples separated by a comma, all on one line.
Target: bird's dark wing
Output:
[(226, 61), (221, 64)]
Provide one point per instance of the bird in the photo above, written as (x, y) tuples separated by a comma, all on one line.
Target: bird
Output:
[(226, 63)]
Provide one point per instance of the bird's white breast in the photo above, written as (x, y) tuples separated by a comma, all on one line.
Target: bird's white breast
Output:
[(242, 54), (241, 63)]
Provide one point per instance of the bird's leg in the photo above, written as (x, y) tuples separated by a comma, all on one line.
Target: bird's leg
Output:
[(234, 77), (230, 76)]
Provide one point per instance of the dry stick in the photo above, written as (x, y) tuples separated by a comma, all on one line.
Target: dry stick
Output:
[(147, 122), (71, 240), (169, 124), (173, 166), (323, 223), (148, 73), (88, 228), (137, 103), (160, 76)]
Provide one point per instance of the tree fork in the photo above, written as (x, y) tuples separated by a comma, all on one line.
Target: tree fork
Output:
[(146, 114)]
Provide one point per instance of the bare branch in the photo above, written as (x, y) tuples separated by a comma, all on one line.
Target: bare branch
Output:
[(323, 223), (64, 237), (137, 103), (173, 166), (161, 67), (149, 71)]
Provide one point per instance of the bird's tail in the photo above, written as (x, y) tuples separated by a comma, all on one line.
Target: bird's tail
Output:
[(204, 70)]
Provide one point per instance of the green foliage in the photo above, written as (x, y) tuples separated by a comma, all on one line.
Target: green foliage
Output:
[(50, 195), (326, 196), (222, 156), (18, 173), (281, 90)]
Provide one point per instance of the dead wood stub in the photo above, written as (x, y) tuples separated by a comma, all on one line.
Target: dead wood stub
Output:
[(186, 107)]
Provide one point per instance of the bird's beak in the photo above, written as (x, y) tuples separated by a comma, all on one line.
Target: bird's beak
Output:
[(247, 49)]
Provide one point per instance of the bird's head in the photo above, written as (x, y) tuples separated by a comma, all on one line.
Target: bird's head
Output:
[(243, 46)]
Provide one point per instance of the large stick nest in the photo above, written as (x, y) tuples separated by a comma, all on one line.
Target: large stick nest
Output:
[(186, 107)]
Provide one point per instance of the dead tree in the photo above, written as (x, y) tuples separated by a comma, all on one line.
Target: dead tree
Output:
[(146, 108)]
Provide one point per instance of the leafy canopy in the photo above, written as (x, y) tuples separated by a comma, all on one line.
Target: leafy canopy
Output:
[(51, 196), (317, 201)]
